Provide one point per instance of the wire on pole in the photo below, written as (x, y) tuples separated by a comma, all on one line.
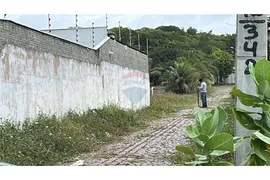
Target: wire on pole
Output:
[(93, 35), (139, 42), (130, 40), (49, 22), (76, 20), (147, 46)]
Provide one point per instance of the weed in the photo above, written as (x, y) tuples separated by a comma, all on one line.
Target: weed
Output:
[(48, 139)]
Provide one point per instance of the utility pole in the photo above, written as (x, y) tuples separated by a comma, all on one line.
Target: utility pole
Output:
[(130, 37), (139, 42), (147, 46), (119, 32)]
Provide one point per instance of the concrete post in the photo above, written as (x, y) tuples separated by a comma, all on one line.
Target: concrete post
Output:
[(251, 45)]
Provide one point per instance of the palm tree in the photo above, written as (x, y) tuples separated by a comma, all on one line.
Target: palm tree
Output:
[(204, 63), (155, 75), (182, 77)]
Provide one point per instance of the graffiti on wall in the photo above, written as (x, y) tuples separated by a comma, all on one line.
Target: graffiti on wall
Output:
[(134, 86)]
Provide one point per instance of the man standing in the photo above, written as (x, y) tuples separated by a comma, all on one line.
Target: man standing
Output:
[(203, 93)]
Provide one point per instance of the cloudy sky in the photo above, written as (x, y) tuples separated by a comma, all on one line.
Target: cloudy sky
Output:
[(218, 23)]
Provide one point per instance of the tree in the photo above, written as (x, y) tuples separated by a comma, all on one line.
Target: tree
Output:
[(209, 54), (192, 31), (168, 28), (182, 77), (224, 62), (155, 75)]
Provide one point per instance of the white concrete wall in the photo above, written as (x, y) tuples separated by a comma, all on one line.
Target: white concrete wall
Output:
[(230, 79), (33, 81)]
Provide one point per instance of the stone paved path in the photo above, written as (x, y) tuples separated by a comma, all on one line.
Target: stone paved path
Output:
[(152, 146)]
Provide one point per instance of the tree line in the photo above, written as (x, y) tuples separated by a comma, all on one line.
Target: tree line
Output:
[(179, 57)]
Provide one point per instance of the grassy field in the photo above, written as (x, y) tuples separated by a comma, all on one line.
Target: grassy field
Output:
[(49, 139)]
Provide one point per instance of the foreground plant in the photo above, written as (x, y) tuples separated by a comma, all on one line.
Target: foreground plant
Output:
[(207, 135), (259, 119)]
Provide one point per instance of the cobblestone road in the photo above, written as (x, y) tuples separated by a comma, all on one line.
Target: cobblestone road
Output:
[(152, 146)]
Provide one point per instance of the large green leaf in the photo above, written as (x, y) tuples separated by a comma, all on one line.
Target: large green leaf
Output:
[(222, 163), (222, 119), (266, 118), (238, 143), (255, 160), (262, 70), (198, 142), (245, 120), (221, 141), (264, 89), (200, 157), (194, 163), (252, 72), (262, 124), (219, 153), (210, 125), (265, 107), (246, 99), (199, 118), (262, 137), (206, 126), (215, 122), (206, 115), (185, 149), (192, 131), (259, 148), (203, 138), (247, 112)]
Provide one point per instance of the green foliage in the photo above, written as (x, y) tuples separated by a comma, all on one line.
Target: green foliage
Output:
[(207, 135), (259, 121), (181, 78), (223, 61), (156, 75), (191, 31), (210, 55), (48, 140), (169, 28)]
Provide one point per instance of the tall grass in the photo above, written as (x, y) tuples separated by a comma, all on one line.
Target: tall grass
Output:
[(48, 139)]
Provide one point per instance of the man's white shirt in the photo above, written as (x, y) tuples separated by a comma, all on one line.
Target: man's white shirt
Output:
[(203, 87)]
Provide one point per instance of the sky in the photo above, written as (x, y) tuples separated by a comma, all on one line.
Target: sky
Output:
[(218, 23)]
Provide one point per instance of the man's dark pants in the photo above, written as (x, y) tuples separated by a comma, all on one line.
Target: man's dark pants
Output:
[(203, 98)]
